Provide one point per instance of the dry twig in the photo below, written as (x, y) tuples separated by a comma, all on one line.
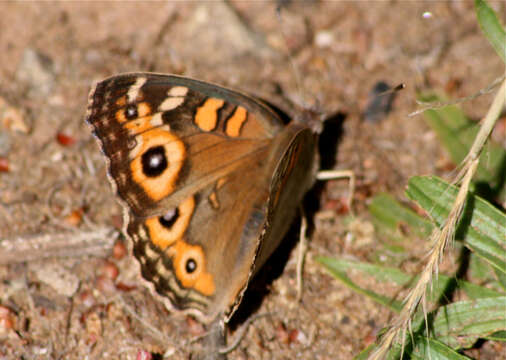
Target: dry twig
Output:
[(21, 248)]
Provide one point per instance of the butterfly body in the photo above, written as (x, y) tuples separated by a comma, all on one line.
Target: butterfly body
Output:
[(210, 180)]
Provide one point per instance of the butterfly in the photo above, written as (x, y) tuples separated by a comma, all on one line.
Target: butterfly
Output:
[(210, 180)]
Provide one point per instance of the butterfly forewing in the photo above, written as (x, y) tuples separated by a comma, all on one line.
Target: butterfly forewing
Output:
[(150, 125)]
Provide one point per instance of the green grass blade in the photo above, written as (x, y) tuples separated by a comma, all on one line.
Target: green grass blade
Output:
[(497, 336), (460, 324), (456, 132), (482, 227), (491, 27), (455, 326), (434, 349), (501, 277), (391, 214), (337, 271), (425, 348), (389, 274)]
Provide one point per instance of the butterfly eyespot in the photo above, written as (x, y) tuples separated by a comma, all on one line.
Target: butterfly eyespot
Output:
[(131, 112), (154, 161), (170, 218), (191, 266), (164, 231)]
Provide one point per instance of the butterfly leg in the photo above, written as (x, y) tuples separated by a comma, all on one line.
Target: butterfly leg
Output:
[(301, 251), (340, 174), (302, 248)]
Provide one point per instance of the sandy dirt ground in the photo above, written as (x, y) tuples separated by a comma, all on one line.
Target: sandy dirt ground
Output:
[(53, 180)]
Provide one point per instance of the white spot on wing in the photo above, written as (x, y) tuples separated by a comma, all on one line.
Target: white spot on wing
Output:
[(156, 120), (170, 103), (150, 254), (178, 91), (162, 270), (175, 97), (133, 92)]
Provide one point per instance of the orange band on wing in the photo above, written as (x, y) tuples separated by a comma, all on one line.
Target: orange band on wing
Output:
[(236, 121), (143, 109), (158, 187), (120, 116), (206, 117), (199, 279), (164, 237)]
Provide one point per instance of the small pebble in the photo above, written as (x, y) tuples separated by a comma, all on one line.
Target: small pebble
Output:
[(65, 139)]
